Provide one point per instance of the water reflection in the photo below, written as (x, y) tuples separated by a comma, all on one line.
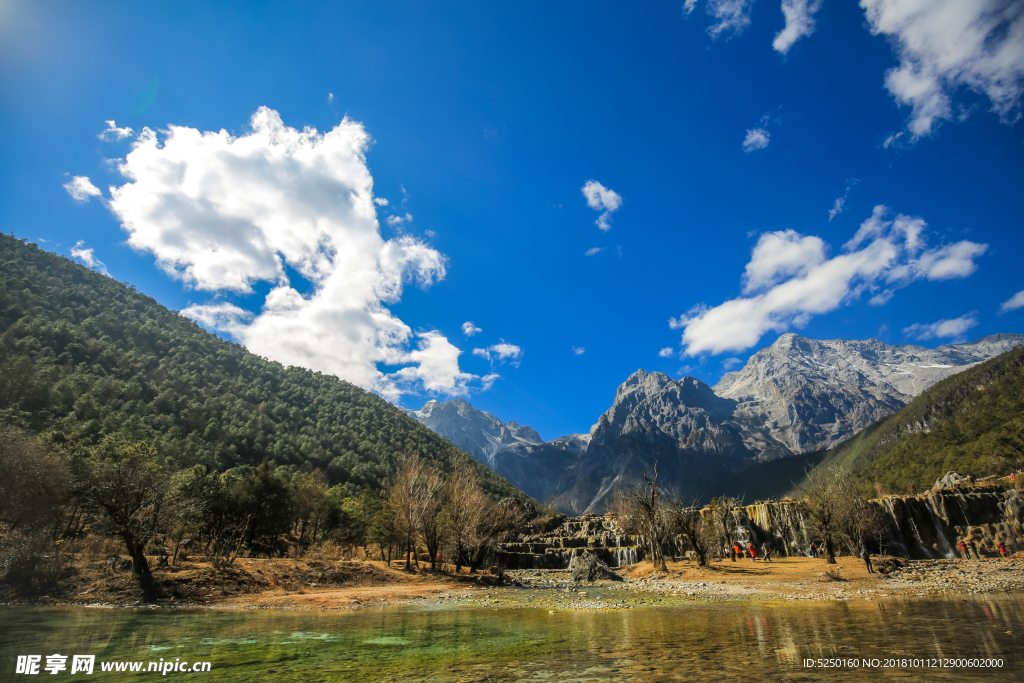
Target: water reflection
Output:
[(742, 642)]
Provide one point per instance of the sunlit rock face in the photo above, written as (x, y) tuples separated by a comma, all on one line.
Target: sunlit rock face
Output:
[(812, 394)]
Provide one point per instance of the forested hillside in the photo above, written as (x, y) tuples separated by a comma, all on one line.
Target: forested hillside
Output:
[(83, 356), (972, 423)]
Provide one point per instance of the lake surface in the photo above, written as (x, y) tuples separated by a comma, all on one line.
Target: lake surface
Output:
[(751, 641)]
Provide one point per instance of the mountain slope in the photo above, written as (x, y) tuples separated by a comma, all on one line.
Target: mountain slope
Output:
[(84, 355), (813, 394), (517, 452), (962, 423)]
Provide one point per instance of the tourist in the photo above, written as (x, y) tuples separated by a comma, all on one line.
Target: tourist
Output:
[(974, 549), (736, 550), (753, 553), (1002, 549), (766, 552), (964, 550), (866, 556), (814, 550)]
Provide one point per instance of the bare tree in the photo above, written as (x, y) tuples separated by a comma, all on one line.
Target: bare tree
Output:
[(828, 495), (646, 515), (726, 527), (498, 522), (415, 488), (463, 509), (34, 494), (699, 531)]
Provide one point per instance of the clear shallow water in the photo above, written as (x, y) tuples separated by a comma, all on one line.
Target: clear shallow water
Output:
[(755, 641)]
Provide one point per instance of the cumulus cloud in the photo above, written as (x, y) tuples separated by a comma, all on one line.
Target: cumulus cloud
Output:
[(81, 188), (113, 133), (469, 329), (757, 138), (791, 278), (601, 198), (578, 350), (667, 352), (220, 316), (799, 16), (1013, 303), (380, 201), (223, 212), (781, 255), (946, 45), (593, 251), (501, 353), (955, 328), (79, 252)]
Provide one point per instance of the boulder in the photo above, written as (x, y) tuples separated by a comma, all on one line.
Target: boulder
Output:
[(950, 481), (587, 568)]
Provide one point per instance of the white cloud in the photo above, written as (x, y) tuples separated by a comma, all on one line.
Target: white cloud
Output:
[(330, 98), (730, 15), (501, 353), (222, 213), (81, 189), (667, 352), (757, 138), (944, 45), (837, 208), (955, 328), (1013, 303), (730, 363), (113, 133), (884, 255), (380, 201), (487, 381), (683, 320), (81, 253), (781, 255), (435, 369), (397, 221), (469, 329), (578, 350), (601, 198), (840, 204), (593, 251), (799, 23), (221, 316)]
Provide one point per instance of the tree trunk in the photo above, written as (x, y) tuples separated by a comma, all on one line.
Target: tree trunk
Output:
[(140, 565)]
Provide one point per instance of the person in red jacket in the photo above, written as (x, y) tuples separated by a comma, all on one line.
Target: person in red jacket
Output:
[(963, 549), (753, 553), (1002, 549), (737, 550)]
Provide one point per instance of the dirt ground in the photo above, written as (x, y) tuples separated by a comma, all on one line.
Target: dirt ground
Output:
[(322, 585), (256, 583)]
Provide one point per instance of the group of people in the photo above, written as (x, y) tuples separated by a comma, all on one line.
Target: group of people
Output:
[(765, 555), (967, 548)]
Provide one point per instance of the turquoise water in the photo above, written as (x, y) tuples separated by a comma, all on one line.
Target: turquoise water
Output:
[(754, 641)]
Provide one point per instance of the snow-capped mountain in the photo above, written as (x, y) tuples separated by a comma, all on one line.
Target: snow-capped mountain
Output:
[(796, 396), (813, 394), (474, 431)]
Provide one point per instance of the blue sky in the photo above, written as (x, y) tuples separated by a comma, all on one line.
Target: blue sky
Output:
[(718, 143)]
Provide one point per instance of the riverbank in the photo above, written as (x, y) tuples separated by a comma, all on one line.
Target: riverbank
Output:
[(327, 585)]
